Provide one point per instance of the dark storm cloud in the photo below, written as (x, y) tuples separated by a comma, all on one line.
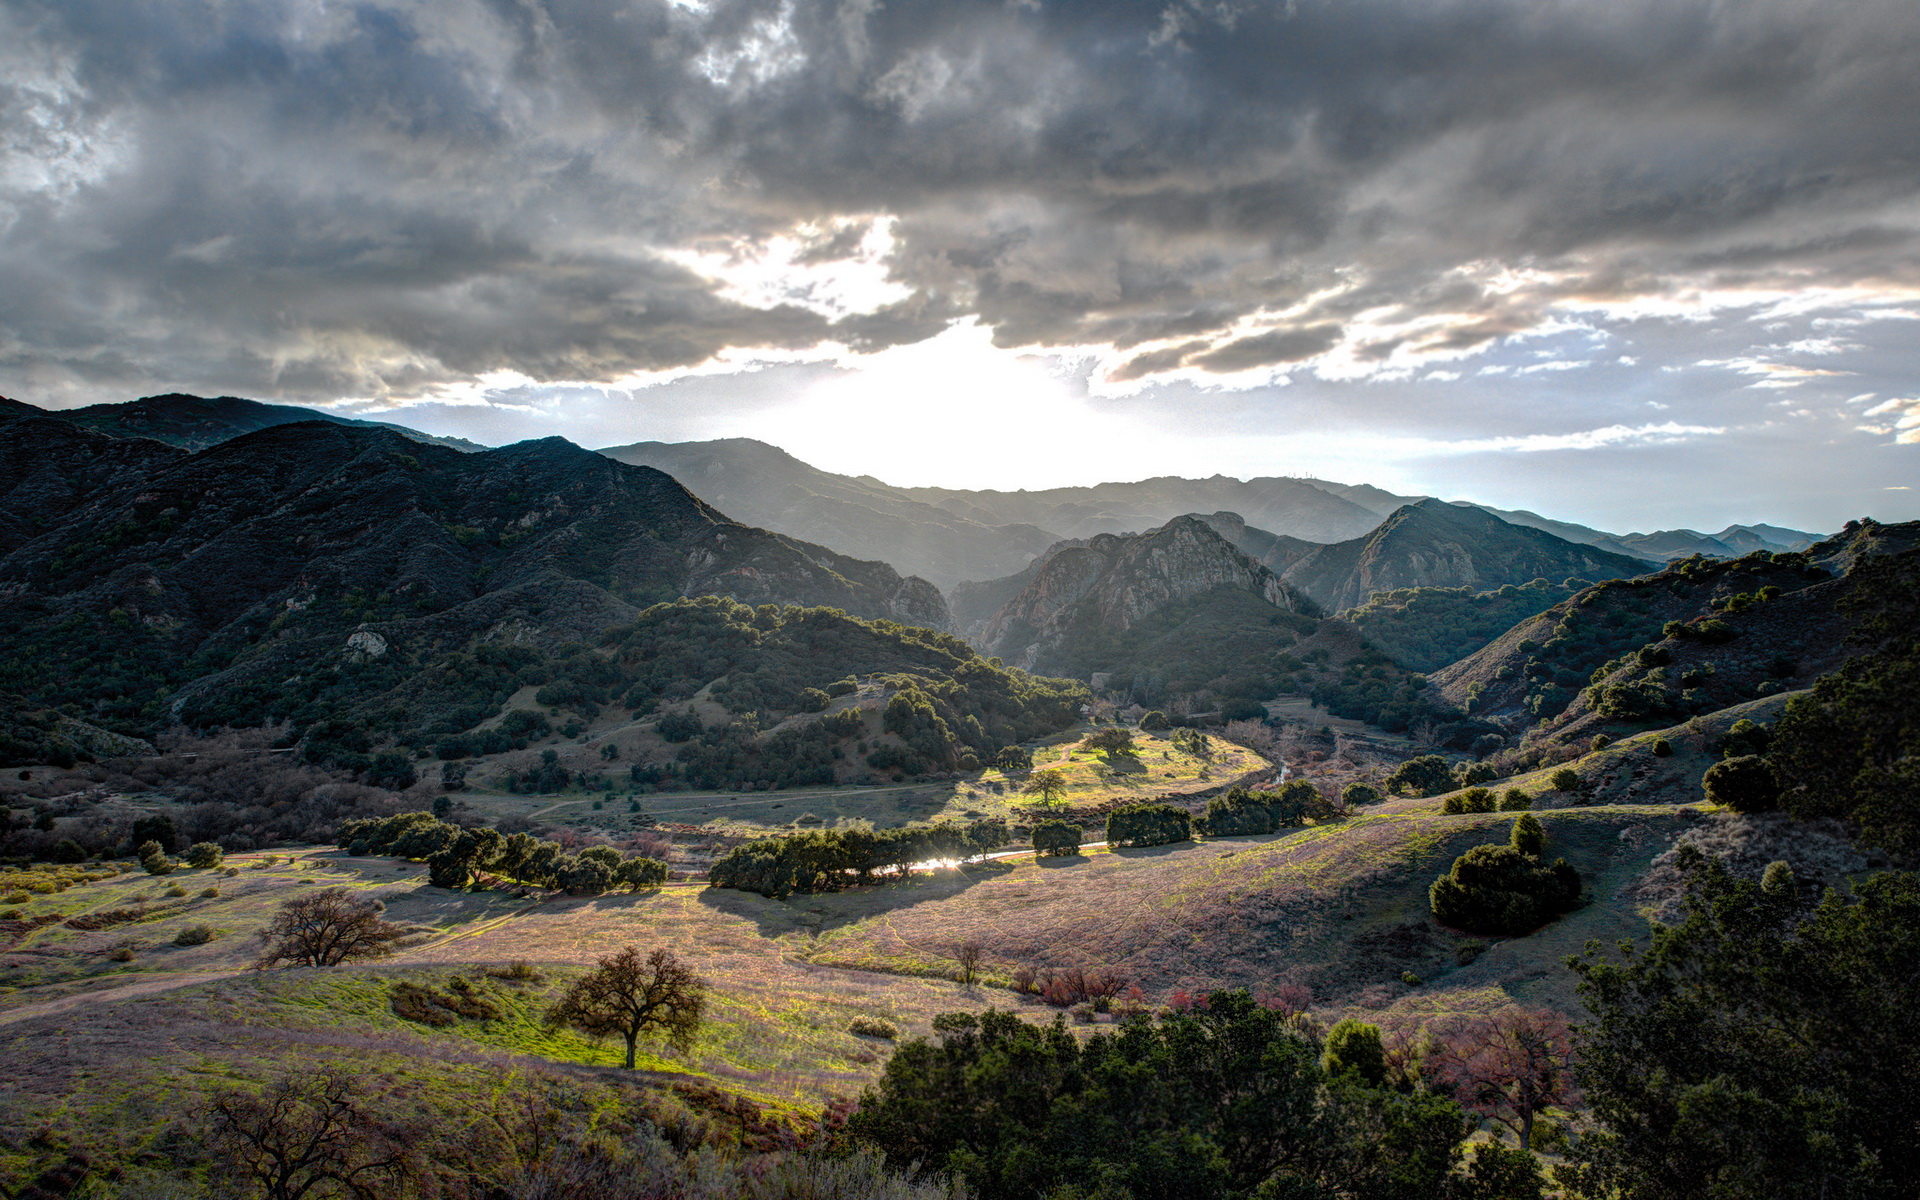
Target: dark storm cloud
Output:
[(315, 200)]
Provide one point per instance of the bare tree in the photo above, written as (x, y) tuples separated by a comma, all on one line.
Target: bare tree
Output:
[(325, 929), (1509, 1066), (967, 955), (627, 996), (308, 1136)]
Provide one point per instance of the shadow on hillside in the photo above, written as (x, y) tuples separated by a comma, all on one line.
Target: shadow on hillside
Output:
[(823, 912), (1055, 864)]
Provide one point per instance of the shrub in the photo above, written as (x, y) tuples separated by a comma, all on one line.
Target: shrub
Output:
[(1410, 979), (1515, 800), (1468, 950), (1746, 784), (176, 890), (121, 954), (1500, 890), (1356, 794), (18, 896), (205, 855), (1529, 837), (154, 859), (1662, 748), (210, 893), (1056, 839), (1468, 774), (68, 851), (231, 872), (1473, 800), (1148, 824), (1566, 779), (873, 1027), (1427, 775), (1355, 1046), (1600, 742), (1155, 721), (194, 935)]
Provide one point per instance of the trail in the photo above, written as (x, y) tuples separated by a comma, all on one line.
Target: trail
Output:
[(131, 991)]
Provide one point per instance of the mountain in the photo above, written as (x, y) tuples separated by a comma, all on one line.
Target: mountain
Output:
[(197, 422), (1274, 551), (765, 486), (48, 468), (318, 568), (1435, 544), (1097, 606), (1693, 638)]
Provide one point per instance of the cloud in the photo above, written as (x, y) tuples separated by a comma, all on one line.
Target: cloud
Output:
[(1899, 418), (388, 201)]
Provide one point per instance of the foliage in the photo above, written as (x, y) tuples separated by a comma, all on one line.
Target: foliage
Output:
[(1426, 628), (626, 996), (1056, 839), (205, 856), (308, 1135), (1503, 890), (1048, 784), (325, 928), (829, 859), (1148, 824), (1756, 1047), (1473, 800), (1354, 1045), (1423, 775), (1509, 1066), (1154, 721), (1529, 837), (1566, 779), (1228, 1101), (1360, 793), (1515, 800), (1241, 811), (1746, 784), (457, 857), (1851, 748), (1110, 740)]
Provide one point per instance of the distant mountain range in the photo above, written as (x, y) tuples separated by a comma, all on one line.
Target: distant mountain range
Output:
[(197, 422)]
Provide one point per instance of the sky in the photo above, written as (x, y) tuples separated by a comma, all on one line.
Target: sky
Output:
[(1636, 263)]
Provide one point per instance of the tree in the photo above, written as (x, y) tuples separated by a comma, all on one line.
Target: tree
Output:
[(1473, 800), (1154, 721), (1050, 785), (641, 873), (66, 850), (153, 859), (967, 955), (1509, 1066), (1356, 794), (308, 1135), (1756, 1047), (1110, 741), (1515, 800), (1566, 779), (1148, 824), (1746, 784), (1355, 1046), (205, 856), (627, 996), (326, 928), (156, 827), (1013, 759), (1425, 775), (1056, 839), (1529, 837), (1501, 890)]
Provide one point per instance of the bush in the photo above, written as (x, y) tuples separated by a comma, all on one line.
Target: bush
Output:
[(1056, 839), (873, 1027), (1566, 779), (1746, 784), (1501, 890), (1148, 824), (1355, 1046), (18, 896), (194, 935), (205, 855), (1356, 794), (210, 893), (1243, 710), (1529, 837), (176, 890), (1155, 721), (1427, 775), (121, 954), (1515, 800), (1662, 748), (68, 851), (1473, 800)]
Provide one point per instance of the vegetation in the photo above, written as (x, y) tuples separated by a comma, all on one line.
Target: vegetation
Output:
[(1147, 824), (832, 859), (630, 998), (457, 857), (1746, 784), (326, 928), (1506, 889), (1056, 839), (1229, 1100), (1250, 812), (1758, 1046), (1426, 628)]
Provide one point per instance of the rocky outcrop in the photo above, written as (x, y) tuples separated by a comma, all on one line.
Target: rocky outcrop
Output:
[(1112, 582), (1435, 544)]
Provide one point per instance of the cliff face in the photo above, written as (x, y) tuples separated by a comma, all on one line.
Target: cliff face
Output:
[(1436, 544), (1112, 582)]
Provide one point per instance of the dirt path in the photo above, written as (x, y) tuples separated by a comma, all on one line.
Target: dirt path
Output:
[(131, 991)]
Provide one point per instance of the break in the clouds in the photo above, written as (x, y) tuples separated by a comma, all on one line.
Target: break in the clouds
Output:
[(1372, 213)]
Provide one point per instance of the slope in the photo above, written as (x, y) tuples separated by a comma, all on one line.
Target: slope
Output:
[(338, 557), (1436, 544)]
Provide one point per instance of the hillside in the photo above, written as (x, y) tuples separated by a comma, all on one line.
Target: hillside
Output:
[(48, 468), (1603, 659), (1427, 628), (331, 562), (1435, 544), (197, 422), (1167, 602)]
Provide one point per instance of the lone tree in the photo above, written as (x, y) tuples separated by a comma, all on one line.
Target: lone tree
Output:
[(307, 1136), (1746, 784), (1050, 785), (1510, 1066), (967, 955), (628, 996), (1110, 741), (325, 929)]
